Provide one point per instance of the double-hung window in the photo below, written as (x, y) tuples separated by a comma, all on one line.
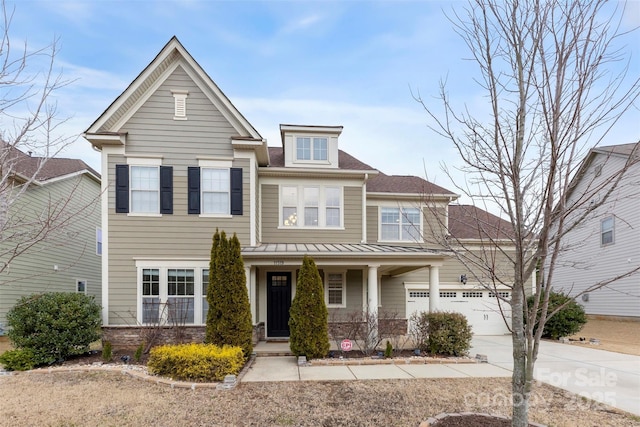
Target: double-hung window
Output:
[(310, 148), (335, 290), (144, 187), (400, 224), (214, 188), (215, 191), (173, 295), (311, 206), (606, 231)]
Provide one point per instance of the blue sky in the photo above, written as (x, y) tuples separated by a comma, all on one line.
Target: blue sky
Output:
[(349, 63)]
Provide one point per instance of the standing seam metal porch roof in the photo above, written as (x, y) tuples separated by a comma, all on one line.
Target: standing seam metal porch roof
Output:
[(332, 249)]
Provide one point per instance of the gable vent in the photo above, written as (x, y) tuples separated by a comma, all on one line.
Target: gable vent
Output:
[(180, 103)]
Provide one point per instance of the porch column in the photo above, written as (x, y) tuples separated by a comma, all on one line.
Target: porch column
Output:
[(372, 289), (434, 287), (251, 291)]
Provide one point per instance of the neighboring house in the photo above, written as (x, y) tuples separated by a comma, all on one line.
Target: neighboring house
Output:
[(63, 256), (180, 161), (607, 243)]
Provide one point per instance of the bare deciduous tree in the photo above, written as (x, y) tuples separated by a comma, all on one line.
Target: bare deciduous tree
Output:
[(30, 136), (556, 82)]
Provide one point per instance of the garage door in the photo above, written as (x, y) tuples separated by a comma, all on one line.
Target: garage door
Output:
[(480, 308)]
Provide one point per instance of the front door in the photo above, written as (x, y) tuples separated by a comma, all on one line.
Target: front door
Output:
[(278, 304)]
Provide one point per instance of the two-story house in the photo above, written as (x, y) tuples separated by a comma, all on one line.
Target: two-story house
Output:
[(180, 161), (51, 230), (605, 244)]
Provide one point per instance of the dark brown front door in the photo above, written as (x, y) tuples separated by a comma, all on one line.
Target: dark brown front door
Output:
[(278, 304)]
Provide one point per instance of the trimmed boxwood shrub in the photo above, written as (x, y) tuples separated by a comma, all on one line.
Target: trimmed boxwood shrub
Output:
[(195, 362), (17, 360), (309, 317), (54, 326), (568, 321), (449, 333)]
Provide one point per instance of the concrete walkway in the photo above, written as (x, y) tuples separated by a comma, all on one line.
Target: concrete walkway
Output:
[(607, 377)]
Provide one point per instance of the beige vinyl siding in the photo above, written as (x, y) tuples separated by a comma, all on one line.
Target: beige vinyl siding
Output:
[(373, 221), (271, 233), (152, 129), (74, 251)]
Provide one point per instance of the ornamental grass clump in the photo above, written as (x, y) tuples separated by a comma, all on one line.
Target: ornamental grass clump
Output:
[(195, 362)]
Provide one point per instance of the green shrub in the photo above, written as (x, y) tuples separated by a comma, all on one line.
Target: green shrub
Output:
[(107, 353), (388, 351), (568, 321), (308, 315), (137, 356), (195, 362), (449, 333), (54, 325), (18, 360), (229, 315)]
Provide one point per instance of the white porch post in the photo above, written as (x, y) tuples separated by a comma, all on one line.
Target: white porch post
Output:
[(372, 289), (251, 291), (434, 287)]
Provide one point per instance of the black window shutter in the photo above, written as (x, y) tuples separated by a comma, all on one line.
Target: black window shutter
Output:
[(166, 189), (193, 191), (236, 191), (122, 188)]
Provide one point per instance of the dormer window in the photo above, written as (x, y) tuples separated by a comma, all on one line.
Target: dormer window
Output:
[(180, 104), (308, 148)]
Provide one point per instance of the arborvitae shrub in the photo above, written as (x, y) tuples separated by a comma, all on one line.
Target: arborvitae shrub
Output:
[(54, 325), (17, 360), (137, 356), (388, 351), (308, 315), (229, 315), (107, 352), (568, 321), (195, 362), (449, 333)]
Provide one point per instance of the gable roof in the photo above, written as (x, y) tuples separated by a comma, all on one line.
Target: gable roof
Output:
[(43, 169), (470, 222), (625, 150), (404, 184), (172, 54)]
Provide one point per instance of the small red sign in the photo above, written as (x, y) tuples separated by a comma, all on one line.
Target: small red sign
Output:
[(346, 345)]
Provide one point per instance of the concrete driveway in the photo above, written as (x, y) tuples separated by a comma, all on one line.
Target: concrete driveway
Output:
[(604, 376)]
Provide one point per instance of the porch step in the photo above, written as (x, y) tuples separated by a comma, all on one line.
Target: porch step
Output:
[(272, 348)]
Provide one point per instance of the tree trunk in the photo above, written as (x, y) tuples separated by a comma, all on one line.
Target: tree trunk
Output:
[(519, 390)]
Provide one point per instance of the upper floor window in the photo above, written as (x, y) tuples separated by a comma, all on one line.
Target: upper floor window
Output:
[(311, 206), (606, 231), (215, 190), (308, 148), (400, 224), (144, 189)]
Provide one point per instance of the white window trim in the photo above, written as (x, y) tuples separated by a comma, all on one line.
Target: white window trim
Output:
[(343, 273), (401, 207), (145, 163), (311, 160), (163, 266), (322, 208), (86, 285), (613, 230)]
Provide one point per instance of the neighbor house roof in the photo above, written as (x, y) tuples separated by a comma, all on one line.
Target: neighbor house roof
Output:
[(470, 222), (42, 168), (620, 149)]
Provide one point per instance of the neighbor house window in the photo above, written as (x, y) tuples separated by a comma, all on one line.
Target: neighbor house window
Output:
[(81, 286), (205, 302), (606, 231), (181, 287), (98, 241), (308, 148), (400, 224), (145, 189), (320, 206), (335, 290)]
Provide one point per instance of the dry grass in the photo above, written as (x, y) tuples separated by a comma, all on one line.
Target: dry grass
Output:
[(614, 335), (112, 399)]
